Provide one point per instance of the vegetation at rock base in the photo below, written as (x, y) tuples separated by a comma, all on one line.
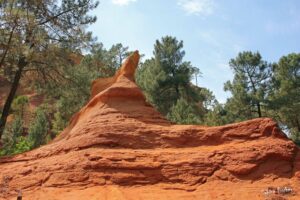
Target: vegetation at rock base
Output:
[(38, 129), (275, 92), (258, 89), (285, 94), (45, 48), (19, 105)]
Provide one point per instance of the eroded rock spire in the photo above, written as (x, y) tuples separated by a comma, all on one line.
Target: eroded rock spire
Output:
[(127, 69)]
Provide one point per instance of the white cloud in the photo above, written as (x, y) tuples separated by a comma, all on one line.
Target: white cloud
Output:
[(123, 2), (197, 7)]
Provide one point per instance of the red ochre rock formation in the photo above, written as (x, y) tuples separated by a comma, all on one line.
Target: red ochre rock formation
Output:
[(120, 147)]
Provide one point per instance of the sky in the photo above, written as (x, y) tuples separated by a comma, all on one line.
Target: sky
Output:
[(213, 31)]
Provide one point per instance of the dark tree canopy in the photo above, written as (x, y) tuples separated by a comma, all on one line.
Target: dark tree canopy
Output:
[(249, 86), (38, 36), (166, 81), (285, 96)]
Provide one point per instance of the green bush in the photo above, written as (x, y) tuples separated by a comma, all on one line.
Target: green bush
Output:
[(183, 113), (19, 105), (11, 136), (22, 145), (38, 129)]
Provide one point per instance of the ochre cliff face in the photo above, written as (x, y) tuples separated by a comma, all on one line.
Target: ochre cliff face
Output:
[(119, 147)]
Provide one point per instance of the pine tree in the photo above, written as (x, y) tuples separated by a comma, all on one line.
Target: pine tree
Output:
[(285, 96), (36, 37), (249, 86), (165, 78)]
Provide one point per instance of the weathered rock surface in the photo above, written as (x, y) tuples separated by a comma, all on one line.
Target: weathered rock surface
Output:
[(120, 147)]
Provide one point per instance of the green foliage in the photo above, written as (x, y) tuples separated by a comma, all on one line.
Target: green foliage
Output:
[(22, 145), (11, 136), (166, 82), (183, 113), (116, 55), (285, 96), (17, 127), (13, 139), (19, 105), (264, 89), (105, 62), (59, 122), (75, 90), (164, 77), (66, 106), (38, 129), (249, 86), (217, 115), (39, 37)]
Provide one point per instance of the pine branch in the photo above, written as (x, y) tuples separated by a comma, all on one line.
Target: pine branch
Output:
[(59, 14)]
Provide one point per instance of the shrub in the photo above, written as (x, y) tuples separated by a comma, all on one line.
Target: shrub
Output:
[(10, 137), (19, 105), (183, 113), (38, 129)]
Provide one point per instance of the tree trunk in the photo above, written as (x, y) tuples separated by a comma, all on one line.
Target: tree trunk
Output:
[(298, 125), (5, 112), (258, 109), (177, 90), (258, 103)]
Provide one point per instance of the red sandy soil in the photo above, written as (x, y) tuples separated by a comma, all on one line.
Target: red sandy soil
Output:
[(119, 147)]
